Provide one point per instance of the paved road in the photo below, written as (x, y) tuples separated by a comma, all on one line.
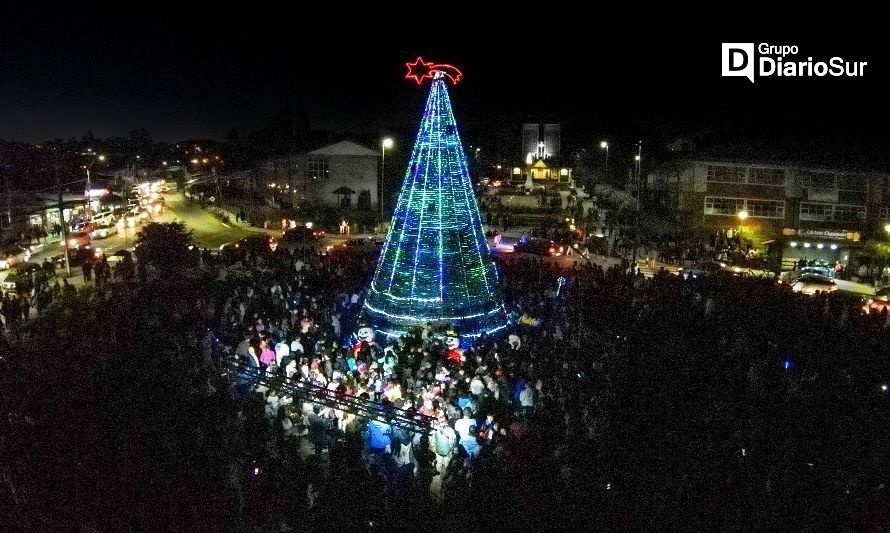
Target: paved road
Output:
[(208, 231)]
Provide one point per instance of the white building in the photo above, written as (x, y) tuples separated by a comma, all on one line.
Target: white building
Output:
[(339, 173), (540, 141)]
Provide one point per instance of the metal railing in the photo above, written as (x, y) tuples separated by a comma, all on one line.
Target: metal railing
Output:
[(394, 416)]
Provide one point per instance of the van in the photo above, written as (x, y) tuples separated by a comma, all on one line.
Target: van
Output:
[(103, 218)]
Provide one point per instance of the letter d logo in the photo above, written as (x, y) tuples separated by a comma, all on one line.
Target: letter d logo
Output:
[(738, 60)]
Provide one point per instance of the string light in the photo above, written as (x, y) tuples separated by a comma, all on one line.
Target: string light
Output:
[(422, 70), (435, 265)]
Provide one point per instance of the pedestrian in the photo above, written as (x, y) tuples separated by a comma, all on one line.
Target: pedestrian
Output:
[(87, 269), (444, 441)]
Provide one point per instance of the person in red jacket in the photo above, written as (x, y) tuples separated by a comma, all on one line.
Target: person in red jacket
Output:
[(454, 353)]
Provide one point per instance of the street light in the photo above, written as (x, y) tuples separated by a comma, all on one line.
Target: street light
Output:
[(887, 229), (89, 184), (604, 145), (637, 164), (742, 216), (637, 158), (384, 144)]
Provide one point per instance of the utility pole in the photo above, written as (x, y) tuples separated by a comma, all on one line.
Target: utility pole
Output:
[(637, 160), (218, 190), (63, 223), (8, 201)]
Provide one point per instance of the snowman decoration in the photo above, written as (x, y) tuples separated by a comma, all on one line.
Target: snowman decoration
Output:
[(453, 353), (364, 336), (514, 341)]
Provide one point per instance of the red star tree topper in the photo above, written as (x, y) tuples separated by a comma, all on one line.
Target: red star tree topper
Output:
[(421, 70)]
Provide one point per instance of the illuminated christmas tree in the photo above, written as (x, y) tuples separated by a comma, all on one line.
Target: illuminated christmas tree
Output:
[(435, 266)]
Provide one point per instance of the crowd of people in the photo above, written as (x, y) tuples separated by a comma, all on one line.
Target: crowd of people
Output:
[(611, 401), (33, 290), (509, 410)]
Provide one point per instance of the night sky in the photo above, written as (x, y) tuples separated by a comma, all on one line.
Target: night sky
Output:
[(198, 74)]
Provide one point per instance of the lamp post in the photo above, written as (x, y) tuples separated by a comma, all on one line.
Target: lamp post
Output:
[(637, 213), (604, 145), (742, 216), (384, 144), (89, 184)]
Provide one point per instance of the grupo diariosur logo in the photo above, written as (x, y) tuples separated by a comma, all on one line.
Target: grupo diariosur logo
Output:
[(771, 60)]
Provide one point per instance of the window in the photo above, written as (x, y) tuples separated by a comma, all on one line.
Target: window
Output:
[(767, 176), (317, 167), (715, 205), (726, 174), (765, 208), (849, 213), (884, 213), (815, 211), (812, 180), (852, 183), (823, 212)]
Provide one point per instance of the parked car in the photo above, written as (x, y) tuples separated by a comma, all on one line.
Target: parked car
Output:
[(255, 244), (104, 231), (542, 247), (76, 257), (80, 239), (82, 226), (13, 256), (128, 220), (22, 277), (103, 218), (820, 270), (704, 269), (118, 256), (877, 304), (300, 236), (813, 283), (356, 246)]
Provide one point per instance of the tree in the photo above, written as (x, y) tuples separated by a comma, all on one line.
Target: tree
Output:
[(165, 249), (364, 200), (436, 266)]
